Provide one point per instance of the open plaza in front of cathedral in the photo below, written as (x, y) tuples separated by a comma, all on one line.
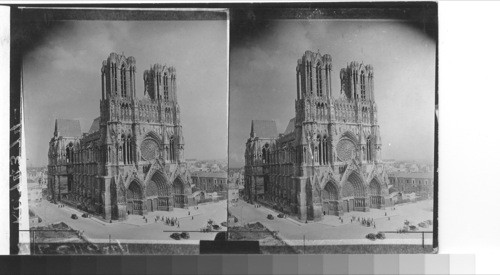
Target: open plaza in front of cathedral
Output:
[(332, 230), (137, 229)]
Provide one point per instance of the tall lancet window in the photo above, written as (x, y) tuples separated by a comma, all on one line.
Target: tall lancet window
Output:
[(369, 149), (130, 149), (115, 78), (123, 78), (320, 150), (158, 84), (309, 72), (319, 91), (363, 87), (325, 147), (172, 149), (123, 149), (165, 87), (131, 77)]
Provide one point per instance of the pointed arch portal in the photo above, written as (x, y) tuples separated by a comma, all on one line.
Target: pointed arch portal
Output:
[(353, 193), (158, 193), (135, 198), (330, 198)]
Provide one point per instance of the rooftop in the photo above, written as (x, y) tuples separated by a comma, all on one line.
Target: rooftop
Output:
[(425, 175), (95, 125), (291, 126), (202, 174)]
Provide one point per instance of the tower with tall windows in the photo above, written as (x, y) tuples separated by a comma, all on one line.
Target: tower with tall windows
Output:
[(327, 161), (131, 161)]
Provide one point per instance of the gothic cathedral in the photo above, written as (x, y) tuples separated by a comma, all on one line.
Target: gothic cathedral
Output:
[(328, 160), (131, 160)]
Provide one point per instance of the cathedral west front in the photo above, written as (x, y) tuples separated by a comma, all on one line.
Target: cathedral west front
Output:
[(328, 159), (131, 160)]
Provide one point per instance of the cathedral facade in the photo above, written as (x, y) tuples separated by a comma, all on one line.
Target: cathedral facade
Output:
[(328, 160), (131, 161)]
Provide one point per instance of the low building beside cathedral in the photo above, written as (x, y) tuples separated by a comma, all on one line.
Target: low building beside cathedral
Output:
[(328, 160), (131, 159)]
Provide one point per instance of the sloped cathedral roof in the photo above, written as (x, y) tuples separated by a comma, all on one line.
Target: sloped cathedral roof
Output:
[(95, 125), (291, 126)]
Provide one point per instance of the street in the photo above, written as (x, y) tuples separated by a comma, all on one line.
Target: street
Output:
[(332, 231), (135, 229)]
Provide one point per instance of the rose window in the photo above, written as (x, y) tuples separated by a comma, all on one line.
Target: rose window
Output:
[(149, 149), (345, 149)]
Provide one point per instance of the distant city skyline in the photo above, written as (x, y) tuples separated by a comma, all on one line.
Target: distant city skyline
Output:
[(62, 77), (263, 84)]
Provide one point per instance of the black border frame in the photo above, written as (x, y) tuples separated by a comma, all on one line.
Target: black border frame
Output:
[(423, 14)]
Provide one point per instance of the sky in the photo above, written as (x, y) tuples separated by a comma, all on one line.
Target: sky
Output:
[(62, 77), (262, 78)]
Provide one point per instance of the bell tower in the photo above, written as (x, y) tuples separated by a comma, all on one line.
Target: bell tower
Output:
[(356, 82), (160, 83), (118, 77), (313, 107), (314, 76)]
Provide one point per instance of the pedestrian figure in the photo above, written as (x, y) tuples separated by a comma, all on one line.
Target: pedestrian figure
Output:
[(178, 225), (189, 213), (192, 217)]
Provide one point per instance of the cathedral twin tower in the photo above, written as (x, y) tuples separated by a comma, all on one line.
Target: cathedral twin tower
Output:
[(118, 79), (131, 160)]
